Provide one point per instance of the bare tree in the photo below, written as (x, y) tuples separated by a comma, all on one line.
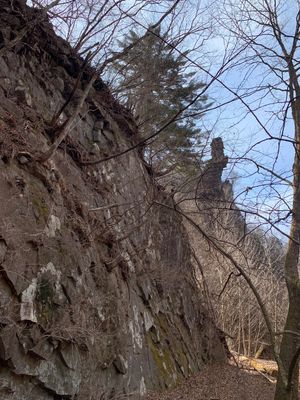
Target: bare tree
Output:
[(268, 90), (257, 43), (92, 28), (29, 25), (261, 44)]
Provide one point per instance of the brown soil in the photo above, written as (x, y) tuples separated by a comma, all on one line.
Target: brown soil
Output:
[(221, 382)]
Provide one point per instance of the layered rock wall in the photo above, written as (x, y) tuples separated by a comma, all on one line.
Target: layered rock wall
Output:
[(97, 293)]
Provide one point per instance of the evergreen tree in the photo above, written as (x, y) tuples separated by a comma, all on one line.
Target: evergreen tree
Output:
[(154, 82)]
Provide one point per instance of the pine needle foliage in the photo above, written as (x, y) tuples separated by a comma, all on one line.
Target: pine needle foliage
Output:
[(154, 82)]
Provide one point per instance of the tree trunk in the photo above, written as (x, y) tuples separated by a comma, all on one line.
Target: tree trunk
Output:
[(289, 347), (67, 127), (291, 340)]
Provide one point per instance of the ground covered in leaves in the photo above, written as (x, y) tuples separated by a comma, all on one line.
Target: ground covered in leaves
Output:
[(221, 382)]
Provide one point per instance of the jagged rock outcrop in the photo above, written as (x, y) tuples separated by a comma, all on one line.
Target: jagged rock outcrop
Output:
[(223, 239), (98, 296)]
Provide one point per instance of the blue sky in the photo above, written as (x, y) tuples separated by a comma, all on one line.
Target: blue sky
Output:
[(239, 129)]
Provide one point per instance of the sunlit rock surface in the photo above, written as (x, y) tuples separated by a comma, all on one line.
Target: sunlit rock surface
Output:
[(97, 292)]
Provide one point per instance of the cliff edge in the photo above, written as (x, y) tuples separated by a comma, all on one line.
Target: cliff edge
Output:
[(98, 298)]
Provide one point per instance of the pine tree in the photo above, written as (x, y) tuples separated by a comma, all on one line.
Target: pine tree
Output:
[(154, 82)]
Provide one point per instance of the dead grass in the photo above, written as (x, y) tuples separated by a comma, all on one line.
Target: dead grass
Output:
[(221, 382)]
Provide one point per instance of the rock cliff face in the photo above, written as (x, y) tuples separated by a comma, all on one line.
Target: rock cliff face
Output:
[(98, 298)]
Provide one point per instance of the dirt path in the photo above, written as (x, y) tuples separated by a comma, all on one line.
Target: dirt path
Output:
[(221, 382)]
